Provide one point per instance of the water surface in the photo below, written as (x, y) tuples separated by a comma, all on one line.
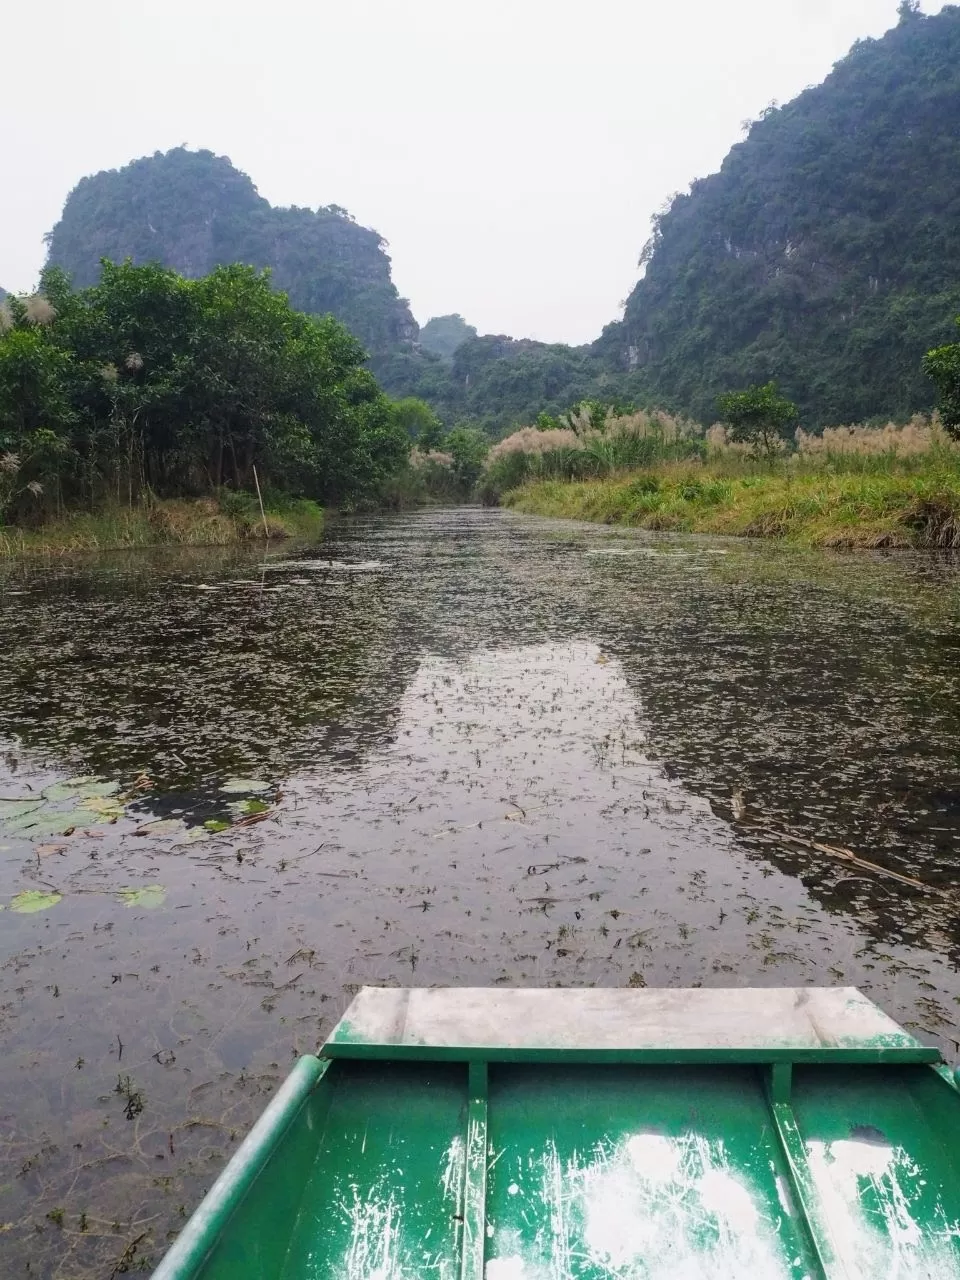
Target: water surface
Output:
[(458, 747)]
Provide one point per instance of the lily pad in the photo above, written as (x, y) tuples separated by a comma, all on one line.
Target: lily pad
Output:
[(245, 808), (52, 822), (244, 786), (195, 835), (217, 825), (254, 806), (12, 810), (149, 897), (103, 805), (32, 900), (161, 827), (85, 787)]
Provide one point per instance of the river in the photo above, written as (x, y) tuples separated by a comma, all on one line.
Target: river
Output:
[(460, 747)]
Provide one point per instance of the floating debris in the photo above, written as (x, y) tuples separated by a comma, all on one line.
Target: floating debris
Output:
[(344, 566)]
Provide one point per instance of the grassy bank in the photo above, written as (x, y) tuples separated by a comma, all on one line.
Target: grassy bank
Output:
[(876, 508), (201, 522)]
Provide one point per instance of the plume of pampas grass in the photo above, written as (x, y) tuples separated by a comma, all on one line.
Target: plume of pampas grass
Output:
[(39, 310)]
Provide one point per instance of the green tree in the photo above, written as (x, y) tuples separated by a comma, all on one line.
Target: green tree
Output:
[(36, 414), (942, 364), (759, 416), (468, 447), (419, 422), (151, 383)]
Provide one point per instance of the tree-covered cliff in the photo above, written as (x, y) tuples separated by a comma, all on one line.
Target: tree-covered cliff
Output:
[(193, 211), (826, 251), (443, 334)]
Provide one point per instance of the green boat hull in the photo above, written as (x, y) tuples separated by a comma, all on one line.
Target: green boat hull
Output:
[(510, 1161)]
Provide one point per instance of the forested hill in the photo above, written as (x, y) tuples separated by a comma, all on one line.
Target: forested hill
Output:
[(826, 251), (825, 254), (193, 211)]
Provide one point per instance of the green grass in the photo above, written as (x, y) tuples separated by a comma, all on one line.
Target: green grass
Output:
[(816, 505), (201, 522)]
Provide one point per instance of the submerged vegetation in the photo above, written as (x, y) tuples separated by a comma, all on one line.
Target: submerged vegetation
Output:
[(693, 721)]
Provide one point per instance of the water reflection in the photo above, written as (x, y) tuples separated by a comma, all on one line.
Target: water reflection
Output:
[(496, 753)]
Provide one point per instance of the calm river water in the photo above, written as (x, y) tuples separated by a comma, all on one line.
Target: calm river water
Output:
[(452, 747)]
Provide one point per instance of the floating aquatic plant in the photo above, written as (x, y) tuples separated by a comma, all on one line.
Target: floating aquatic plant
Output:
[(149, 896), (32, 900)]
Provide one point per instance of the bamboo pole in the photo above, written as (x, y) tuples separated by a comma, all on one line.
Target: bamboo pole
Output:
[(263, 514)]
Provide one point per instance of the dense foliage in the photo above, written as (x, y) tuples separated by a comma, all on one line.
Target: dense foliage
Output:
[(193, 211), (759, 417), (150, 383), (943, 366), (826, 251), (497, 382)]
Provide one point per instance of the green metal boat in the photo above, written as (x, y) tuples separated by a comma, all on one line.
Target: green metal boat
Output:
[(463, 1134)]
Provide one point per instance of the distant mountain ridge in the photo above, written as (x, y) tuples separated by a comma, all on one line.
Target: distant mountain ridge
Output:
[(825, 254), (193, 211)]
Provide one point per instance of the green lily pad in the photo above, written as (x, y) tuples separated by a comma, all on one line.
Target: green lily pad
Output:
[(12, 810), (32, 900), (52, 822), (244, 808), (161, 827), (254, 806), (85, 787), (149, 897), (107, 809), (244, 786), (217, 824)]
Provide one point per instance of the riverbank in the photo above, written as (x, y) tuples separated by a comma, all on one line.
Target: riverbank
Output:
[(199, 522), (815, 508)]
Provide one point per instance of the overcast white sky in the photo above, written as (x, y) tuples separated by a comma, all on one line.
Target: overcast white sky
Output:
[(511, 151)]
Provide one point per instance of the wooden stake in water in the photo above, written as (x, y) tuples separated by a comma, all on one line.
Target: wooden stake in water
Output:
[(256, 481)]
